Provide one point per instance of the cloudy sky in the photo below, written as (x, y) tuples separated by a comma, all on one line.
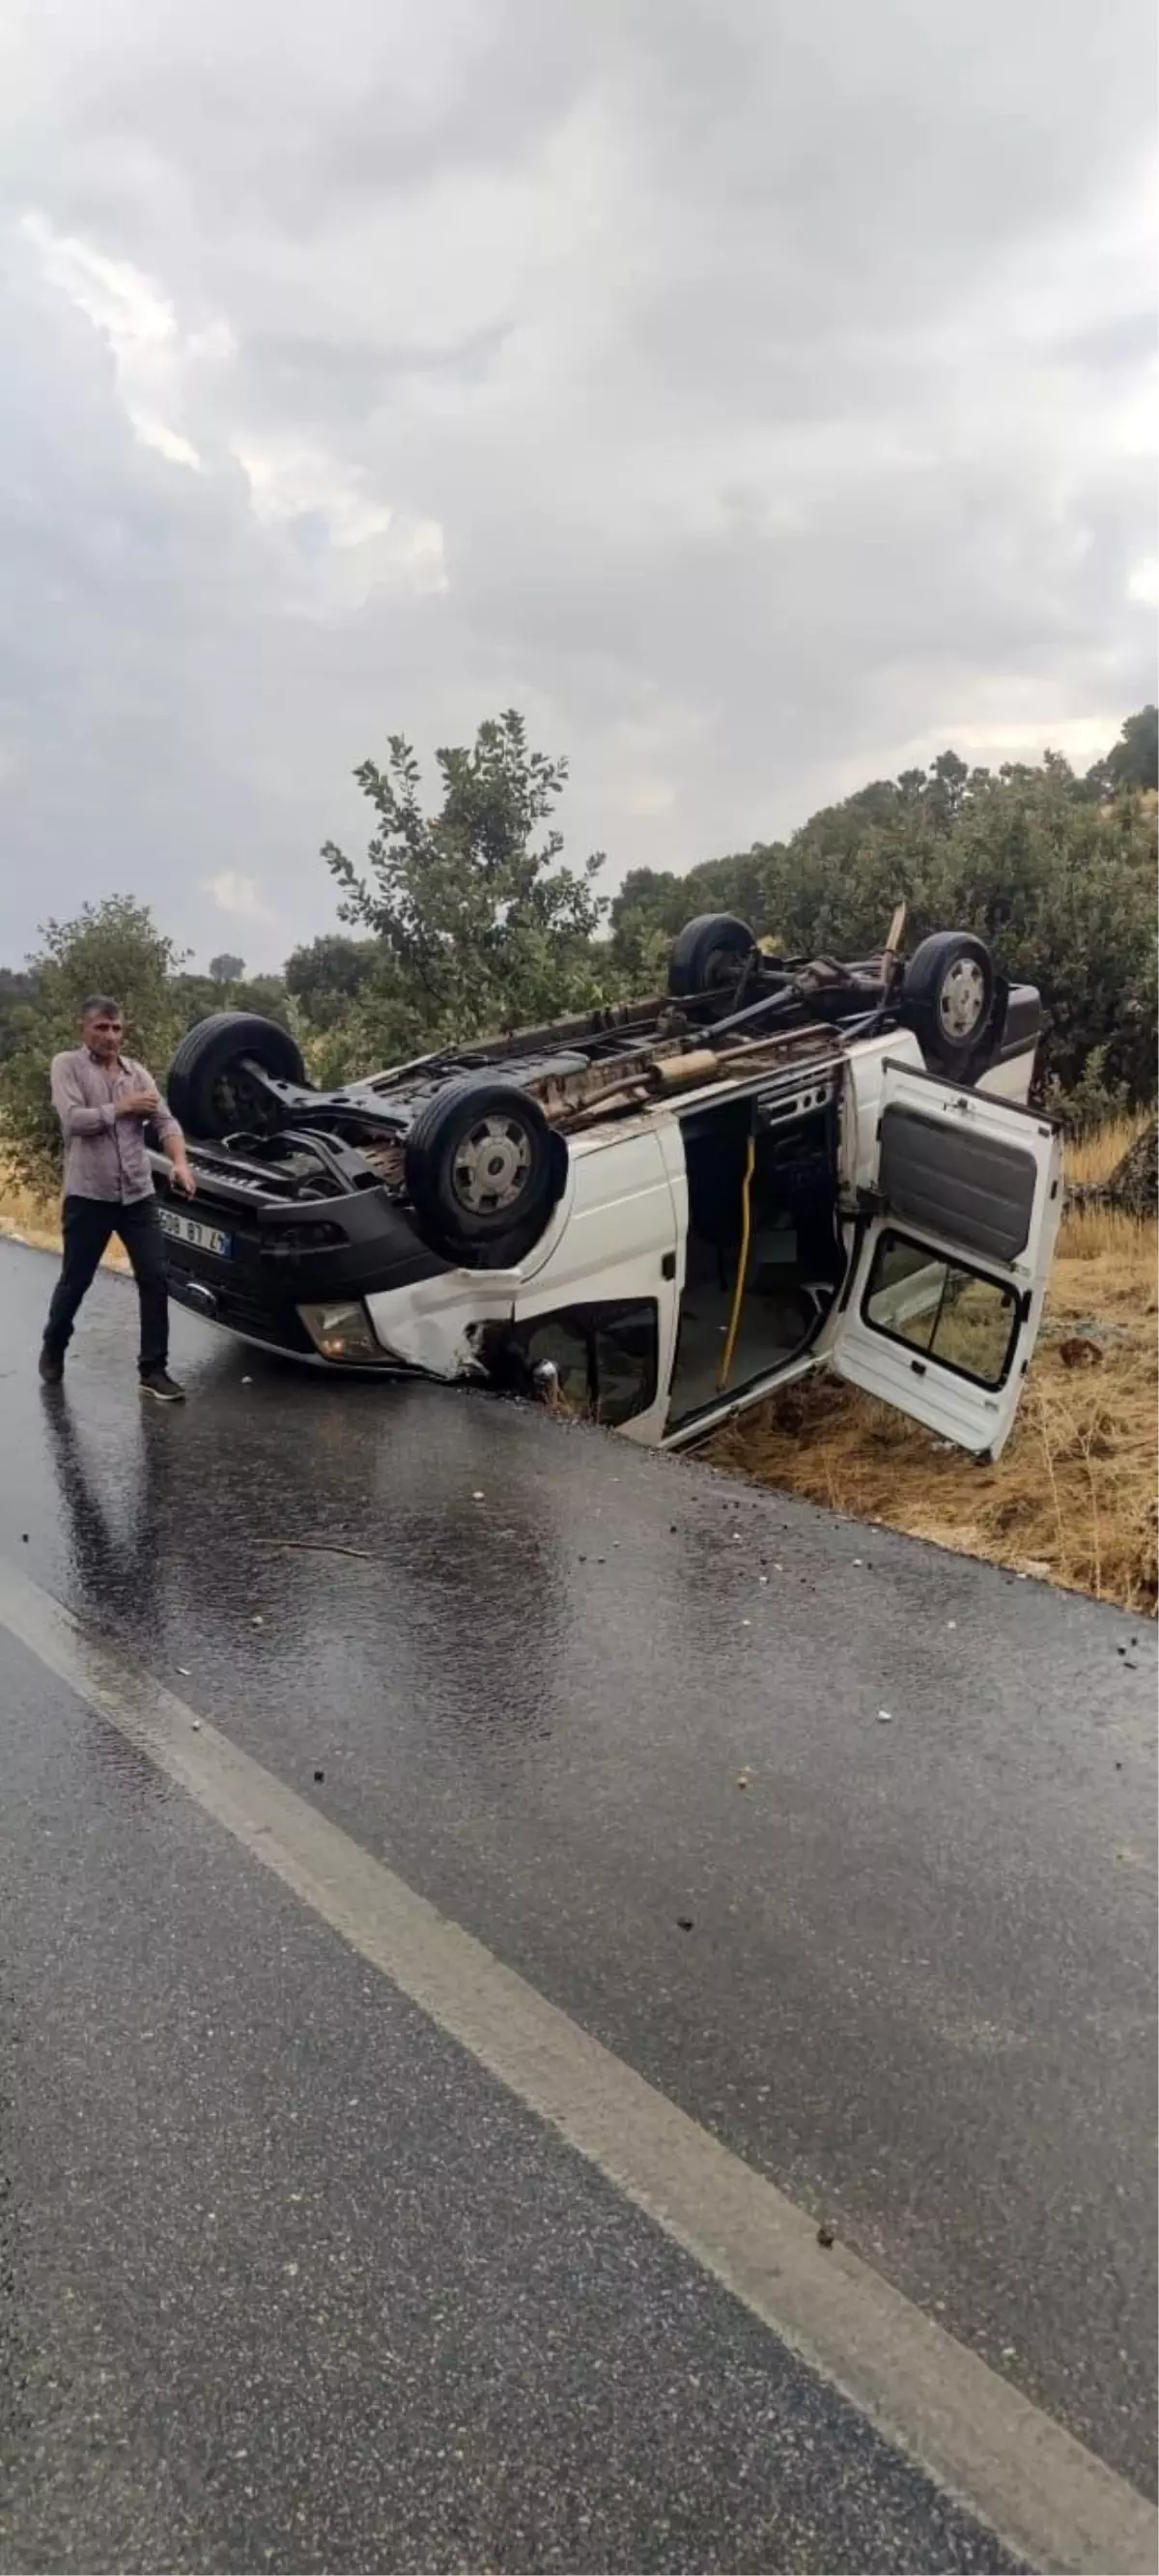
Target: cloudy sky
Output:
[(756, 392)]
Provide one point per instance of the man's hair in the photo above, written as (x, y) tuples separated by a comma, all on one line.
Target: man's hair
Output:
[(102, 1002)]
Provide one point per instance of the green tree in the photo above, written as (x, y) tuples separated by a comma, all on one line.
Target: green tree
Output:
[(327, 975), (265, 994), (1133, 763), (477, 925), (1061, 882), (111, 947), (651, 906), (196, 996), (16, 992), (226, 969)]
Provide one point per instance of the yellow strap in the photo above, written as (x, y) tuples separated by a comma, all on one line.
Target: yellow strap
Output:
[(742, 1265)]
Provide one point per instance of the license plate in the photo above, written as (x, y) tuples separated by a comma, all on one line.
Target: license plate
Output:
[(189, 1229)]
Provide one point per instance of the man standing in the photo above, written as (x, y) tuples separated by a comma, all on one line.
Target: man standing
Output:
[(103, 1099)]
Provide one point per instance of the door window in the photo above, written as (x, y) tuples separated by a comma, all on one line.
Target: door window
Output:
[(956, 1316), (605, 1357)]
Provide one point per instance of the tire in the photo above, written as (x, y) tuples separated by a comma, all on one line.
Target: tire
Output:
[(207, 1089), (483, 1169), (708, 953), (948, 997)]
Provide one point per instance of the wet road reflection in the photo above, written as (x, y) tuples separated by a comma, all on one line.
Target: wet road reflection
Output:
[(534, 1668)]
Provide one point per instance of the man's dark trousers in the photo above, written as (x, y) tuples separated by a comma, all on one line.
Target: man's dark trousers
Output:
[(88, 1224)]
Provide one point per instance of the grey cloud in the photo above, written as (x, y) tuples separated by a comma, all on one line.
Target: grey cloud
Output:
[(265, 124), (318, 382), (771, 374)]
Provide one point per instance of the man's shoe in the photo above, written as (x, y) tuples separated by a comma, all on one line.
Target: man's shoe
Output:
[(158, 1382), (51, 1368)]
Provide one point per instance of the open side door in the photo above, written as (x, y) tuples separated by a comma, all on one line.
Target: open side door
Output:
[(943, 1301)]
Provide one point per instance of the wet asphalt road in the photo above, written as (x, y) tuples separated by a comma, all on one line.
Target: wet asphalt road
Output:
[(285, 2279)]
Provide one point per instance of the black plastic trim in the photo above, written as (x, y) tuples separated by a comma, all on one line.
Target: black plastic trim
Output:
[(259, 1289), (1021, 1024)]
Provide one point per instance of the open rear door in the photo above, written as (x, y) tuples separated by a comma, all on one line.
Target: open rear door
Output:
[(943, 1306)]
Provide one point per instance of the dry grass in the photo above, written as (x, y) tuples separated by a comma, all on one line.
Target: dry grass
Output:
[(1073, 1496), (1091, 1159)]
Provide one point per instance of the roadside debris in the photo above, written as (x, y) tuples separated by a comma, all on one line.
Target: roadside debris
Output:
[(1080, 1352), (825, 2233)]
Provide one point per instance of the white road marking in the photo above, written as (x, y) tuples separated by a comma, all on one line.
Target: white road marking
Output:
[(1047, 2497)]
